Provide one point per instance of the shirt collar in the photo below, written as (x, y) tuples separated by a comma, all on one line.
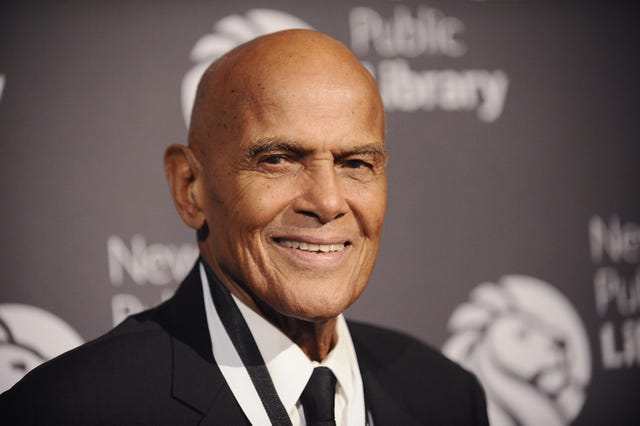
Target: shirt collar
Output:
[(289, 367)]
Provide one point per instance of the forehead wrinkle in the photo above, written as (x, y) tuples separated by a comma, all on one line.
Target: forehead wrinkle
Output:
[(249, 82)]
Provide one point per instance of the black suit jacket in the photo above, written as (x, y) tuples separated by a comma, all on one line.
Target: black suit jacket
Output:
[(157, 368)]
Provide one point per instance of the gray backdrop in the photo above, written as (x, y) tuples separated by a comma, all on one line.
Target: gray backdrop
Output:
[(512, 236)]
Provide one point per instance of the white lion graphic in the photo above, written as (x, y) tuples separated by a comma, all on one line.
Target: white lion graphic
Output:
[(230, 32), (526, 344), (29, 336), (16, 359)]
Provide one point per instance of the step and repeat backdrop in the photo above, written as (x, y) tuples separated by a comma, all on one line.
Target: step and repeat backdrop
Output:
[(512, 239)]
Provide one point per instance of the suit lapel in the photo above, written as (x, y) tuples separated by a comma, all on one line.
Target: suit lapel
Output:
[(197, 380), (199, 383), (385, 406)]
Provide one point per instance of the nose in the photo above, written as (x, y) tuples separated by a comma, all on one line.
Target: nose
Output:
[(322, 196)]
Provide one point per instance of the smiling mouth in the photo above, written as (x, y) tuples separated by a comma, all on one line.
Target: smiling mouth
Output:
[(310, 247)]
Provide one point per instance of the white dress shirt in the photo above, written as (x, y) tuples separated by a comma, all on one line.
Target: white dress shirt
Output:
[(288, 366)]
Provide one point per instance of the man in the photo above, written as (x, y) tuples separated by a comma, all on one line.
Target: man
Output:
[(284, 181)]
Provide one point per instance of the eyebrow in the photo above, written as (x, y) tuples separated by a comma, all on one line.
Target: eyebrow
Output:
[(263, 145), (372, 149)]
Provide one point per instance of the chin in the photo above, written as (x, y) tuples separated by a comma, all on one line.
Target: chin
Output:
[(319, 308), (308, 297), (319, 315)]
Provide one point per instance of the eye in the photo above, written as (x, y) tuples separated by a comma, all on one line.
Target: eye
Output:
[(356, 164), (273, 159), (19, 365)]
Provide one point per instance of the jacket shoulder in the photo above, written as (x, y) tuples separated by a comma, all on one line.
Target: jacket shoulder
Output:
[(385, 347), (430, 386), (76, 384)]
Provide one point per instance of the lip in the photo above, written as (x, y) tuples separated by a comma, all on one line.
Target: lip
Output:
[(324, 240), (314, 259)]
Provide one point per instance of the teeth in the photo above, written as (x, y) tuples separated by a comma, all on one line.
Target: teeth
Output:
[(324, 248)]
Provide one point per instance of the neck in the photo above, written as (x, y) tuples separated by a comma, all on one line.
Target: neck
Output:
[(315, 338)]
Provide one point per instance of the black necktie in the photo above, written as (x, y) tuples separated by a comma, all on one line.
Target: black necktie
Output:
[(318, 398)]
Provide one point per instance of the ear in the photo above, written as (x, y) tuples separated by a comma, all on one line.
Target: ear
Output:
[(184, 173)]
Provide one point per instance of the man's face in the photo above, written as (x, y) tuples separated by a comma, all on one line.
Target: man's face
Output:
[(296, 195)]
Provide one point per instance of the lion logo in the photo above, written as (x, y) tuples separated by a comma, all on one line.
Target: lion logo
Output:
[(527, 345), (28, 337), (230, 32)]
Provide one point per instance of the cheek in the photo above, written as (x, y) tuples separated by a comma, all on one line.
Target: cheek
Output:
[(258, 203), (369, 205)]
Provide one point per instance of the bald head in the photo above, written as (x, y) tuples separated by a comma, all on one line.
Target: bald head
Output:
[(258, 73)]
